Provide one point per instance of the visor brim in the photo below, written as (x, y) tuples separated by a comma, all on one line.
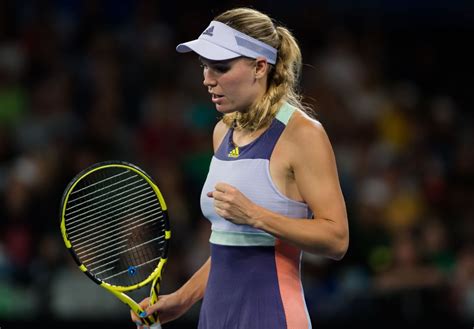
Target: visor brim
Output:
[(207, 50)]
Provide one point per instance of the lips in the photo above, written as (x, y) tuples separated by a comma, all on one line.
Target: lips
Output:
[(217, 97)]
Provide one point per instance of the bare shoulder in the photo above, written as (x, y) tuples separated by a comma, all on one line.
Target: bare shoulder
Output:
[(305, 131), (220, 130), (308, 144)]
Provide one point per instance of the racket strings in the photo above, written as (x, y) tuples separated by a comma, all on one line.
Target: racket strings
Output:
[(108, 225), (116, 225), (95, 206), (109, 186), (120, 230)]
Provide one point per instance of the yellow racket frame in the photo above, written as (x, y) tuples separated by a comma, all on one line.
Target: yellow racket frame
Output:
[(154, 277)]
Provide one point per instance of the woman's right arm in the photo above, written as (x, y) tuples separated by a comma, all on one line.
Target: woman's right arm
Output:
[(172, 306), (193, 290)]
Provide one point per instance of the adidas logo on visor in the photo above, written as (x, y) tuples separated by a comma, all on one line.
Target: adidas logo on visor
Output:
[(209, 31)]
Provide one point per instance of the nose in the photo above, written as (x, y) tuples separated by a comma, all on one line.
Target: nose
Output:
[(209, 79)]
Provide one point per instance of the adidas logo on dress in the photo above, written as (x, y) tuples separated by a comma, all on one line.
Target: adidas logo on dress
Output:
[(234, 153)]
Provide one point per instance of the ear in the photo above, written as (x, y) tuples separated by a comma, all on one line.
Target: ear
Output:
[(261, 67)]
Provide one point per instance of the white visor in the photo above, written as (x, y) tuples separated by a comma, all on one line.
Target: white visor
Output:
[(220, 42)]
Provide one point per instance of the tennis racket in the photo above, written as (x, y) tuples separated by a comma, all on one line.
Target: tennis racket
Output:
[(114, 221)]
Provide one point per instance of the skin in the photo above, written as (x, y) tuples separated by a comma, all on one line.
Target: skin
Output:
[(302, 171), (237, 82)]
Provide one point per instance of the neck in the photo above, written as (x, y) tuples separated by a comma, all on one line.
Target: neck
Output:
[(251, 121), (242, 137)]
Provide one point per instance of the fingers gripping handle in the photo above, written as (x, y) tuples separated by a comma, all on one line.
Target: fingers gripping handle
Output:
[(150, 322), (152, 319)]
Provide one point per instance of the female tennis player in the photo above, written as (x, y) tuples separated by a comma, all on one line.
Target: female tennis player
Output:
[(272, 190)]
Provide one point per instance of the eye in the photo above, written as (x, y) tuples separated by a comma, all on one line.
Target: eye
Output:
[(221, 68)]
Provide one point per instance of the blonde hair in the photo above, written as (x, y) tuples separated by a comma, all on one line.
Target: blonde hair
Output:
[(283, 78)]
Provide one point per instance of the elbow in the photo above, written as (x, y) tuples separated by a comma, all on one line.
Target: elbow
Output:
[(340, 251), (340, 246)]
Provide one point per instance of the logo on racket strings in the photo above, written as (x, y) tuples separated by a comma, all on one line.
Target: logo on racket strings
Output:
[(132, 270)]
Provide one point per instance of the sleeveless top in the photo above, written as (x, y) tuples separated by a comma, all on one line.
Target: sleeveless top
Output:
[(254, 280)]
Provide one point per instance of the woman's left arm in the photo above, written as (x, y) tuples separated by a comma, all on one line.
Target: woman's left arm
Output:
[(315, 171)]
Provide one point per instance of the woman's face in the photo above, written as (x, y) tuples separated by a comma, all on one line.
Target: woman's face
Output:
[(232, 83)]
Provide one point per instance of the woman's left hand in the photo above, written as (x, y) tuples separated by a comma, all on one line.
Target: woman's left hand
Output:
[(233, 205)]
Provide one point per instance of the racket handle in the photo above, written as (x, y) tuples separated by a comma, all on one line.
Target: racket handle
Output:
[(155, 325)]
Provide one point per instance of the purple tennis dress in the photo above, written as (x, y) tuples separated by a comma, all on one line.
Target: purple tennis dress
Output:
[(254, 281)]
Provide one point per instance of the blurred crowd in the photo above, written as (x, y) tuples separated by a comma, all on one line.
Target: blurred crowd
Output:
[(88, 81)]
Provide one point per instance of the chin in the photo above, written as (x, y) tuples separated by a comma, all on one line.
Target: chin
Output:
[(224, 109)]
